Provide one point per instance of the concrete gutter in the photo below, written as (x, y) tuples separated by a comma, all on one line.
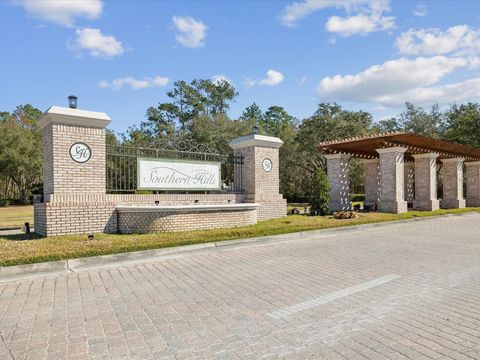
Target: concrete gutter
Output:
[(64, 267)]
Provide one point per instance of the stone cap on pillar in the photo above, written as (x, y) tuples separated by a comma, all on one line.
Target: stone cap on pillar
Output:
[(425, 155), (256, 140), (337, 156), (449, 160), (393, 149), (75, 117), (471, 163)]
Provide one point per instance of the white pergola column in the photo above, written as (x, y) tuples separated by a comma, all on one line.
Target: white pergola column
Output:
[(473, 183), (409, 181), (337, 171), (372, 181), (453, 183), (426, 182), (392, 180)]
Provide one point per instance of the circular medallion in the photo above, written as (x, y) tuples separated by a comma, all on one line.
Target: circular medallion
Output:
[(80, 152), (267, 165)]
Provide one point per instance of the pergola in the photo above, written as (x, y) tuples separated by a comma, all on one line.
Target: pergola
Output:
[(401, 167)]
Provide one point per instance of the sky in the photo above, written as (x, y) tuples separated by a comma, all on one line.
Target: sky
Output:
[(120, 57)]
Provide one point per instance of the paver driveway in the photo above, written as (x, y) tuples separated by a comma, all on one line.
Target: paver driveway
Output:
[(396, 291)]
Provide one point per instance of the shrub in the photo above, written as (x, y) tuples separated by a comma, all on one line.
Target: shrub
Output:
[(357, 197), (4, 202), (318, 196)]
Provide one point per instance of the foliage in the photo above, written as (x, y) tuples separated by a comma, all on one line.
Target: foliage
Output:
[(329, 122), (20, 152), (318, 195), (415, 120), (189, 101), (357, 197), (462, 124)]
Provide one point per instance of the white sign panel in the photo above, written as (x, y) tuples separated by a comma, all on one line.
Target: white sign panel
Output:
[(168, 174)]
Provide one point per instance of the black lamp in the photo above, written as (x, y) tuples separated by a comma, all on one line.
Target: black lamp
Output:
[(72, 101), (255, 129)]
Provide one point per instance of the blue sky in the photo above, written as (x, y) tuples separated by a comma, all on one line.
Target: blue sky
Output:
[(120, 57)]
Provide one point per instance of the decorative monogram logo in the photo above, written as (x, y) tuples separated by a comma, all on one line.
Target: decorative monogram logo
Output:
[(267, 165), (80, 152)]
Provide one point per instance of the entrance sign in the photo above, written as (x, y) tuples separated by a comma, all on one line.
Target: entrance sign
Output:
[(80, 152), (174, 174)]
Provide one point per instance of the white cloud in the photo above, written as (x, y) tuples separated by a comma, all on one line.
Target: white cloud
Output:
[(420, 10), (190, 32), (135, 84), (273, 78), (298, 10), (218, 78), (458, 40), (96, 43), (62, 12), (363, 16), (397, 81)]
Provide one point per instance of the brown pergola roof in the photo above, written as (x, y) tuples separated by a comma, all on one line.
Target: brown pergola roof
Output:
[(365, 146)]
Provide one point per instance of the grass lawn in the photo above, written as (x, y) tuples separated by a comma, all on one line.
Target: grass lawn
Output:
[(16, 216), (24, 249)]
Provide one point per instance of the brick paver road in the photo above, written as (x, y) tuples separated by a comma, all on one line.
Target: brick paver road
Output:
[(392, 292)]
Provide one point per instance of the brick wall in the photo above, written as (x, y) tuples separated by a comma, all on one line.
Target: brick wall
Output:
[(144, 222), (80, 213)]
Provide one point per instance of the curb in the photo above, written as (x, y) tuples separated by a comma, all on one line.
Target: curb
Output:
[(19, 272)]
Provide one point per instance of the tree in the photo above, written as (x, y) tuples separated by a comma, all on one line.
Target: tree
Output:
[(20, 151), (189, 101), (414, 120), (462, 124), (252, 115), (159, 123), (387, 125), (276, 121), (220, 94), (318, 196)]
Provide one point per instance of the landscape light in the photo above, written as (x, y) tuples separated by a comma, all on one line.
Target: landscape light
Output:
[(255, 129), (72, 101)]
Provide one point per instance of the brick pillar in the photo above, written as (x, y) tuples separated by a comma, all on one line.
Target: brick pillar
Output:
[(473, 183), (372, 181), (74, 165), (453, 183), (392, 180), (338, 175), (73, 151), (426, 182), (260, 174), (409, 181)]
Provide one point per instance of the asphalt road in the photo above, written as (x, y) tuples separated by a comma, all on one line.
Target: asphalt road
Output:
[(397, 291)]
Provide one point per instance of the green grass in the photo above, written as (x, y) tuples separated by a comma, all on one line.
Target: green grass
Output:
[(24, 249), (16, 216)]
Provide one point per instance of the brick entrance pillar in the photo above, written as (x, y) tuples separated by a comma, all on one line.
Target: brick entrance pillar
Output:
[(74, 171), (260, 177), (73, 151), (426, 182), (372, 181), (392, 180), (338, 175), (453, 183), (473, 183)]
